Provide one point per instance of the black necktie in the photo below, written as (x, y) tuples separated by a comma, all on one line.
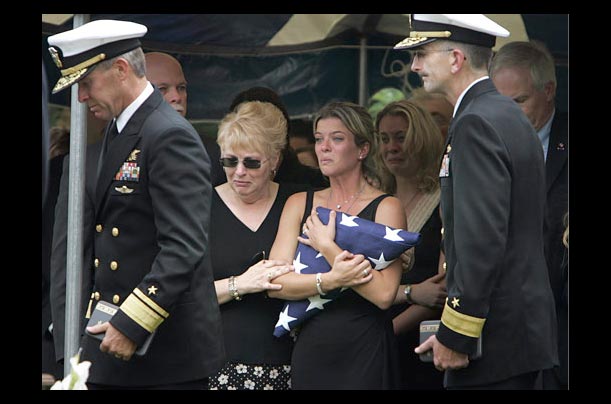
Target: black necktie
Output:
[(111, 134)]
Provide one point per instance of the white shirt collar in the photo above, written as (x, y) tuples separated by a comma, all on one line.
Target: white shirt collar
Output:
[(544, 134), (127, 113), (460, 97)]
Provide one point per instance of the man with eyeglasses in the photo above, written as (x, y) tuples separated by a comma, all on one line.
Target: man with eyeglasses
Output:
[(492, 201)]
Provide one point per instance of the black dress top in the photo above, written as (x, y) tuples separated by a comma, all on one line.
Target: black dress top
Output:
[(248, 324), (350, 344)]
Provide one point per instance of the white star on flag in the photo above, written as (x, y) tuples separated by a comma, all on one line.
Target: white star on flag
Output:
[(284, 319), (393, 235), (348, 220), (381, 263), (317, 302), (298, 265)]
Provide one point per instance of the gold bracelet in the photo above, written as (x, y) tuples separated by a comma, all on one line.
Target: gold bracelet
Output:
[(319, 283), (233, 290)]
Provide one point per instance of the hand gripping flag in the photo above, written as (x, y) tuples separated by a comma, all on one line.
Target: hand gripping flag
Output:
[(380, 244)]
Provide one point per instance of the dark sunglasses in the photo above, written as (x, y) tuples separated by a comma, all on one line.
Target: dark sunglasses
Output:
[(248, 162)]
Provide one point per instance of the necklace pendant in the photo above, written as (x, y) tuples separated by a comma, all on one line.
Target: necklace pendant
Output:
[(338, 207)]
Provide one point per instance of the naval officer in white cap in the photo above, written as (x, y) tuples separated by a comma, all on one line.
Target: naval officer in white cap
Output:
[(492, 201), (152, 213)]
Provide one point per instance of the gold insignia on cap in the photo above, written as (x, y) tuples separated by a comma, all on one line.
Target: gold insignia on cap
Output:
[(408, 42), (124, 189), (455, 302), (415, 37), (55, 56), (152, 290), (68, 80), (74, 73), (133, 155)]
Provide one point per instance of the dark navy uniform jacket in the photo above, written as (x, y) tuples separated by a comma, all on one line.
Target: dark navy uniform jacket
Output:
[(151, 252), (492, 202)]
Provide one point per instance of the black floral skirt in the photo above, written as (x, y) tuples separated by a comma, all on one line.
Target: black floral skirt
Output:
[(238, 376)]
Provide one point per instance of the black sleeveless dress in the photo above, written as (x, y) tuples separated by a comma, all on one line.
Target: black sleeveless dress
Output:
[(349, 345)]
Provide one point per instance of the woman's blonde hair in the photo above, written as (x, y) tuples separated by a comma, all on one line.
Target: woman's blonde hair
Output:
[(254, 125)]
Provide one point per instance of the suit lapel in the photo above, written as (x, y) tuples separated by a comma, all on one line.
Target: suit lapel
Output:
[(557, 151)]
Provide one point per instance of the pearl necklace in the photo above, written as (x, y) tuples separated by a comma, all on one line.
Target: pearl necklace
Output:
[(353, 198)]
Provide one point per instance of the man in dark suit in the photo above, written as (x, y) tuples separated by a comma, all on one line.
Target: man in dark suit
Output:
[(492, 202), (152, 213), (165, 73), (525, 72)]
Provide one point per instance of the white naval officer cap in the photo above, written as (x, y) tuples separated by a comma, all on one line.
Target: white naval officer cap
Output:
[(476, 29), (75, 52)]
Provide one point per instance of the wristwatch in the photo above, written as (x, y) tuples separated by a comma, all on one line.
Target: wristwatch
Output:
[(408, 293)]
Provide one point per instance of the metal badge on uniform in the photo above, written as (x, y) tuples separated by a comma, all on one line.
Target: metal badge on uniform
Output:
[(133, 155), (124, 189), (445, 166)]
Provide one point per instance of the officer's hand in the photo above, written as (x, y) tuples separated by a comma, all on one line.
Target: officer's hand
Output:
[(114, 342), (443, 357)]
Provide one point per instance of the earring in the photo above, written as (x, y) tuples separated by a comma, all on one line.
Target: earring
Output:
[(274, 171)]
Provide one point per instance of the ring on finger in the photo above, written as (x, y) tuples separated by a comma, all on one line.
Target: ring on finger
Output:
[(365, 272), (269, 275), (118, 356)]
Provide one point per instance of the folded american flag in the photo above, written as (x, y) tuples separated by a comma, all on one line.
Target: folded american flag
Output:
[(380, 244)]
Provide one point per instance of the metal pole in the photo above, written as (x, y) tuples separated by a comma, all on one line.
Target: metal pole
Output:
[(76, 190), (363, 72)]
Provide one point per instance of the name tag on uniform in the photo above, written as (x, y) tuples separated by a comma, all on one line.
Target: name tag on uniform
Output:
[(445, 166)]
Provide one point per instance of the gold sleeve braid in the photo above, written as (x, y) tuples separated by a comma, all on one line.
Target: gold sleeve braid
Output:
[(144, 311), (462, 323)]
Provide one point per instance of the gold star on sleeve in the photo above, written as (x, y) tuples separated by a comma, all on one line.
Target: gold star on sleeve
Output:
[(456, 302), (153, 290)]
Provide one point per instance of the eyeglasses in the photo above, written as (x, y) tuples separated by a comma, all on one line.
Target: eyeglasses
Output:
[(247, 162), (421, 54)]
